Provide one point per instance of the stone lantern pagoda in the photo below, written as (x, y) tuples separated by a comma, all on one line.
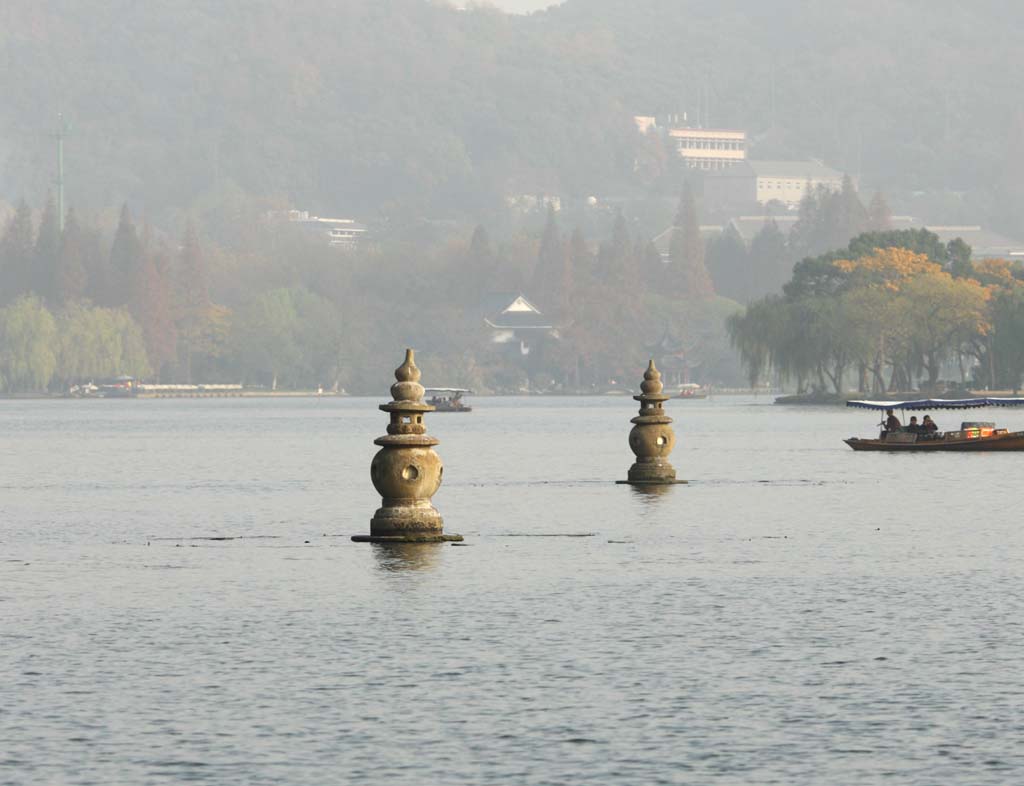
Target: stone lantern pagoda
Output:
[(651, 438), (406, 471)]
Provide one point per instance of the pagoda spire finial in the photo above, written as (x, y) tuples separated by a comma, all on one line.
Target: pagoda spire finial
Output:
[(652, 380)]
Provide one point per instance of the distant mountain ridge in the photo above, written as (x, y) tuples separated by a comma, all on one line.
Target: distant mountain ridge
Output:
[(407, 107)]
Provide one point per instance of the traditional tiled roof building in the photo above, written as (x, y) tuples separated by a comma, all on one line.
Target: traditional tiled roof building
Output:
[(514, 321)]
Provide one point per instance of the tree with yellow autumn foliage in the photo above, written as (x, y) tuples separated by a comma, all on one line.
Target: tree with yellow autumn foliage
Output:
[(892, 315)]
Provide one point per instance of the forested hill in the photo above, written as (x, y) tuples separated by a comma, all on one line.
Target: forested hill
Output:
[(410, 107), (342, 107)]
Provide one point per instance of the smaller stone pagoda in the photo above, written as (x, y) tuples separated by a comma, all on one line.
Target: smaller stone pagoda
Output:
[(406, 471), (651, 438)]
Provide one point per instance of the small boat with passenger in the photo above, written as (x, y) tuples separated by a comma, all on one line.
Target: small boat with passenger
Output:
[(691, 390), (448, 399), (971, 436)]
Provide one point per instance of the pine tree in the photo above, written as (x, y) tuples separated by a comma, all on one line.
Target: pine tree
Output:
[(194, 276), (151, 306), (802, 240), (16, 251), (481, 252), (879, 214), (567, 286), (126, 257), (616, 263), (43, 278), (729, 265), (688, 275), (580, 263), (476, 273), (193, 296), (852, 218), (547, 281), (70, 277), (769, 258)]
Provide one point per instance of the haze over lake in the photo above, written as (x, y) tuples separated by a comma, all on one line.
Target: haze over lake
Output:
[(180, 601)]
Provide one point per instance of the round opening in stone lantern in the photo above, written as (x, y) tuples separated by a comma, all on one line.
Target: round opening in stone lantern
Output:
[(406, 471), (651, 438)]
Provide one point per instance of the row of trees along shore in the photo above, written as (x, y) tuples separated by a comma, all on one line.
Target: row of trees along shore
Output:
[(288, 310), (72, 309), (888, 313), (276, 307)]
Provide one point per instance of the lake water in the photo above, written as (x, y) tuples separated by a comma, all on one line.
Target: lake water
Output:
[(798, 614)]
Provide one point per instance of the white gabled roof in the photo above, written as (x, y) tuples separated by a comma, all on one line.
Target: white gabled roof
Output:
[(520, 305)]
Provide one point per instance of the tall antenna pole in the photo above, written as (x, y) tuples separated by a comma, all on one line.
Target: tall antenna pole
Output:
[(62, 129)]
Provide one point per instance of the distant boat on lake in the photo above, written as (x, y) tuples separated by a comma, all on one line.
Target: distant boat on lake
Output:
[(448, 399), (691, 390)]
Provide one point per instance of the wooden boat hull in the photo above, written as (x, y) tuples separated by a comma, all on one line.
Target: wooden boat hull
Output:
[(1014, 441)]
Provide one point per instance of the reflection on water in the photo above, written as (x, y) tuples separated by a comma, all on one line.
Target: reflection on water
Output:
[(649, 493), (400, 557)]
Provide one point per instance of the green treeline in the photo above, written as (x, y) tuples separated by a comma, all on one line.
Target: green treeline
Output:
[(38, 349), (73, 309), (285, 309), (890, 312)]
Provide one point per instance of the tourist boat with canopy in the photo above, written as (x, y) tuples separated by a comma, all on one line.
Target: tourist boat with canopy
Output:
[(971, 436), (448, 399)]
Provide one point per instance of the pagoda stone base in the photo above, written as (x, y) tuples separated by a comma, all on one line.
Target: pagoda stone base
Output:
[(410, 538), (412, 522), (651, 472), (667, 482)]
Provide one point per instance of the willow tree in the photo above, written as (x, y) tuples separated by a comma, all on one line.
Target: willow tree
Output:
[(99, 342), (28, 340), (751, 333)]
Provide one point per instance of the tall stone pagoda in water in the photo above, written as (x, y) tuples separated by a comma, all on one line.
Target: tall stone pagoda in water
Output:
[(406, 471), (651, 438)]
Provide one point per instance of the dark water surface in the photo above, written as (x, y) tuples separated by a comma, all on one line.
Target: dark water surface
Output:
[(799, 614)]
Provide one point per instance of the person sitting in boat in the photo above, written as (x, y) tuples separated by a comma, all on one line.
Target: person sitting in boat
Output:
[(929, 425), (892, 423)]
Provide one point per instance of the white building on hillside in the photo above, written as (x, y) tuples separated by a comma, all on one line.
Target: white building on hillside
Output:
[(708, 149), (337, 232), (769, 181)]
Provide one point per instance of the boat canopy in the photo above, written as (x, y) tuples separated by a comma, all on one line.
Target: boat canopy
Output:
[(447, 390), (940, 403)]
